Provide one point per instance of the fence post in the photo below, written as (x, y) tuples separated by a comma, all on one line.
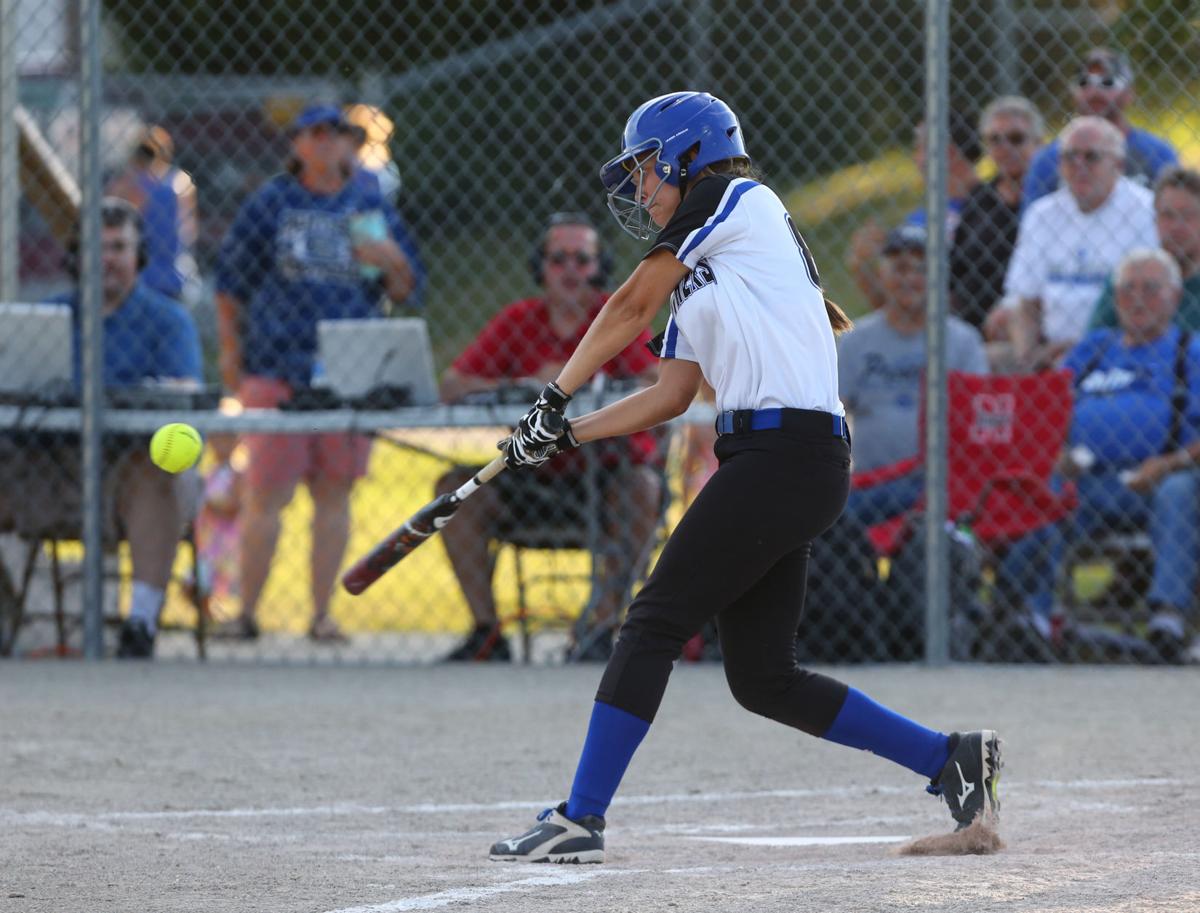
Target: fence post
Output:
[(10, 189), (937, 585), (91, 328)]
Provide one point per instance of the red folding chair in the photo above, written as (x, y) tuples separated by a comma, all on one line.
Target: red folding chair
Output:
[(1005, 434)]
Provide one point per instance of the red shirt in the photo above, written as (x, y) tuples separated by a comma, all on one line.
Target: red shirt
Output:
[(518, 342)]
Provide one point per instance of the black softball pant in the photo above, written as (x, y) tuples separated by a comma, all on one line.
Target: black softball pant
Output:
[(740, 553)]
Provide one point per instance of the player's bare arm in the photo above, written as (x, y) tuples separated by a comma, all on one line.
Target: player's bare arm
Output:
[(629, 311), (676, 387)]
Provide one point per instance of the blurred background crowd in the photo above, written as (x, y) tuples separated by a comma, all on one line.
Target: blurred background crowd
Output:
[(268, 169)]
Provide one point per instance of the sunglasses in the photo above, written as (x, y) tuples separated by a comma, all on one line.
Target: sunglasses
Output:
[(1012, 137), (562, 257), (1149, 287), (1089, 156), (1099, 80)]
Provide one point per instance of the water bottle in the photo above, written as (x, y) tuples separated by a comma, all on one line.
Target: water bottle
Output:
[(318, 377), (368, 226)]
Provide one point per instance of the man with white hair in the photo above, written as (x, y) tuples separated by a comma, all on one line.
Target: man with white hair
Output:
[(1177, 217), (1070, 241), (1132, 449)]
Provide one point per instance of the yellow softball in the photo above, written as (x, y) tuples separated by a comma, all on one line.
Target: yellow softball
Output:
[(176, 447)]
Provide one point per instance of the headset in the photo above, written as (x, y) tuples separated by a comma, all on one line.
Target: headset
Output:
[(538, 256), (113, 211)]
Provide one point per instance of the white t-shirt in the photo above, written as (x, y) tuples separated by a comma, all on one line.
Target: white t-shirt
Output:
[(751, 313), (1064, 256)]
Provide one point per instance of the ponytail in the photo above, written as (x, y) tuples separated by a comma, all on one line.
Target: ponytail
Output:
[(837, 318)]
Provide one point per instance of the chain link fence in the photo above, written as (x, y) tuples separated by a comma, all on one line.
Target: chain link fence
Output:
[(337, 218)]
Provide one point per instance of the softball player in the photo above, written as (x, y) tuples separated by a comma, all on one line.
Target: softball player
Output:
[(749, 315)]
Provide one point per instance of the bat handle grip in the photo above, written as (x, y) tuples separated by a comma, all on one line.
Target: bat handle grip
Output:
[(481, 478), (489, 472)]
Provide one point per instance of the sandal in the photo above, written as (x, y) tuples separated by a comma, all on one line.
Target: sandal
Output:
[(325, 630), (236, 629)]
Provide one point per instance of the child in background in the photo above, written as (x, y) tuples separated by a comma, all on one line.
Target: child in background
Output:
[(217, 526)]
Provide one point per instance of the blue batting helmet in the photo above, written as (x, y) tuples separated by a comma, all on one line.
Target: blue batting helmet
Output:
[(659, 132)]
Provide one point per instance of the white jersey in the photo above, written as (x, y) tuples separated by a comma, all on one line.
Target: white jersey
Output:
[(751, 312), (1064, 256)]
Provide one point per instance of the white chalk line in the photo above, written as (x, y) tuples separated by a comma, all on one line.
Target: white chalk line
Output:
[(801, 841), (574, 876), (553, 878), (100, 819)]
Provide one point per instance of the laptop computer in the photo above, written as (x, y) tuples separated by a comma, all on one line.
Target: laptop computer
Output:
[(358, 356), (35, 349)]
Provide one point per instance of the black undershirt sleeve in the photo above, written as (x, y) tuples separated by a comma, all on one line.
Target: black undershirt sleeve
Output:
[(698, 207)]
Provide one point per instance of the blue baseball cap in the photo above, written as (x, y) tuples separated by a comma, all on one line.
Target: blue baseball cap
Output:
[(313, 115)]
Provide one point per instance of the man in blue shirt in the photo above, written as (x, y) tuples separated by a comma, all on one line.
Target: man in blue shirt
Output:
[(1132, 448), (1104, 88), (148, 338)]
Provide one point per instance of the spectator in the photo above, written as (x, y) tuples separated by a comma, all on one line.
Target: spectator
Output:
[(1104, 88), (166, 198), (530, 340), (881, 363), (1177, 218), (962, 154), (218, 528), (1068, 244), (1012, 131), (1132, 448), (291, 258), (147, 338)]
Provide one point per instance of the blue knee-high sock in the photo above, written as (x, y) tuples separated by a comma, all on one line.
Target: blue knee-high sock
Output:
[(612, 737), (862, 723)]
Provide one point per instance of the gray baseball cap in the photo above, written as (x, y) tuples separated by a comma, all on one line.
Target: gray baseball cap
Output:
[(905, 238)]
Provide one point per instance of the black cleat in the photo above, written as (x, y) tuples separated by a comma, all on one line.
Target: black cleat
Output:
[(136, 640), (555, 838), (482, 645), (1167, 634), (970, 780)]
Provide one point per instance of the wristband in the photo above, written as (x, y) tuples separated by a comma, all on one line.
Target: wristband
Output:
[(554, 397)]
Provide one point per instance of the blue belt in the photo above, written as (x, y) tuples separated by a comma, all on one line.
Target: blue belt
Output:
[(807, 421)]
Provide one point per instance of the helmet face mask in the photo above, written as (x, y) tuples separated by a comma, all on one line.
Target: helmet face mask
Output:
[(625, 177), (659, 134)]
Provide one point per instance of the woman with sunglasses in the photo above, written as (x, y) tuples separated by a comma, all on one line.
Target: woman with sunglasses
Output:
[(310, 244), (1012, 130), (749, 315)]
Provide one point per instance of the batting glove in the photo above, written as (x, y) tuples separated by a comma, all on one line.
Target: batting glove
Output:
[(539, 435), (552, 397)]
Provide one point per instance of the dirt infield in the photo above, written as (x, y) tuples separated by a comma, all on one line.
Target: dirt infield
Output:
[(179, 787)]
